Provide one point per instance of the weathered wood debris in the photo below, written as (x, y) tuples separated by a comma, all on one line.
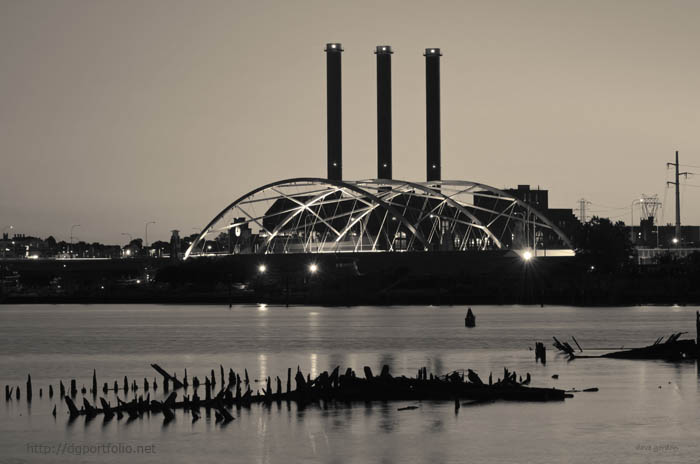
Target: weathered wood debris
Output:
[(327, 387), (671, 349)]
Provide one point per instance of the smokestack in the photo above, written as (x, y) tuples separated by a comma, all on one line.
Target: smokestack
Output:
[(432, 112), (383, 53), (334, 100)]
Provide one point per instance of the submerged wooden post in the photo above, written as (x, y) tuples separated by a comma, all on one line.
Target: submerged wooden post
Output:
[(50, 391), (94, 382), (62, 389), (231, 378), (469, 319), (29, 388), (73, 388)]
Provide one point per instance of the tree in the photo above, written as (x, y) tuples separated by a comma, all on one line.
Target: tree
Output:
[(606, 245)]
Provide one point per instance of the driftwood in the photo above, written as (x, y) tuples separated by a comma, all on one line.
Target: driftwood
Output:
[(672, 349), (167, 377)]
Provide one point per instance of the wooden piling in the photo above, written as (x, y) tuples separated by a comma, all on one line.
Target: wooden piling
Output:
[(94, 382), (29, 388), (326, 388)]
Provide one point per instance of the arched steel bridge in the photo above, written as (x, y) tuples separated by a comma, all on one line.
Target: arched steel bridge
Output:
[(313, 215)]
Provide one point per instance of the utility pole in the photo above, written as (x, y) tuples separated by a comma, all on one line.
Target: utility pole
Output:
[(678, 196)]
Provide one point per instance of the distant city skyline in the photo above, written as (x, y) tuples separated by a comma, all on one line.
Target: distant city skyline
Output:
[(115, 114)]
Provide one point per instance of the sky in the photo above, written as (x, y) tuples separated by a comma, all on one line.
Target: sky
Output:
[(117, 113)]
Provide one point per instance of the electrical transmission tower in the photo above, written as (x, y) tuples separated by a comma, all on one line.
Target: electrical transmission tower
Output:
[(650, 205), (582, 209)]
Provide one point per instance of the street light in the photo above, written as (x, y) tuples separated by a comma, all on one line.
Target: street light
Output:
[(313, 268), (146, 236), (639, 200), (71, 238)]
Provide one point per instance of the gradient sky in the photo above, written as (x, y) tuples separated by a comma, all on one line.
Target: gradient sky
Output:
[(115, 113)]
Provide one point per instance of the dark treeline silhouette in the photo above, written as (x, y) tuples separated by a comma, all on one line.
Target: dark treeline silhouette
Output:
[(604, 272)]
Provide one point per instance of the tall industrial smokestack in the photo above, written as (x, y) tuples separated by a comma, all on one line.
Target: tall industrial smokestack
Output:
[(334, 101), (432, 112), (383, 53)]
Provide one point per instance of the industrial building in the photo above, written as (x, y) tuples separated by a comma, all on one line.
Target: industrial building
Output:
[(335, 215)]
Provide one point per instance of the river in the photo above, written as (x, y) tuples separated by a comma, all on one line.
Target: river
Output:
[(645, 411)]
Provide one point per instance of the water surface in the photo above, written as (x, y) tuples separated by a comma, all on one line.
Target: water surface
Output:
[(646, 411)]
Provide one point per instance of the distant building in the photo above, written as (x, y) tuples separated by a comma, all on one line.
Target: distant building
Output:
[(512, 233), (649, 235)]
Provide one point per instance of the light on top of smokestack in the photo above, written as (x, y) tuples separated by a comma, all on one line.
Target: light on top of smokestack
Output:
[(334, 47), (432, 51), (383, 50)]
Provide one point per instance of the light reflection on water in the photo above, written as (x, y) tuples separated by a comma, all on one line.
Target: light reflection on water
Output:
[(617, 424)]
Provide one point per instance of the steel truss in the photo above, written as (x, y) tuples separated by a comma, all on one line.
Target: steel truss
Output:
[(312, 215)]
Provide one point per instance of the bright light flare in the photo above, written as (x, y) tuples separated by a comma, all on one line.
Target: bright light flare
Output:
[(313, 268), (527, 256), (262, 269)]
